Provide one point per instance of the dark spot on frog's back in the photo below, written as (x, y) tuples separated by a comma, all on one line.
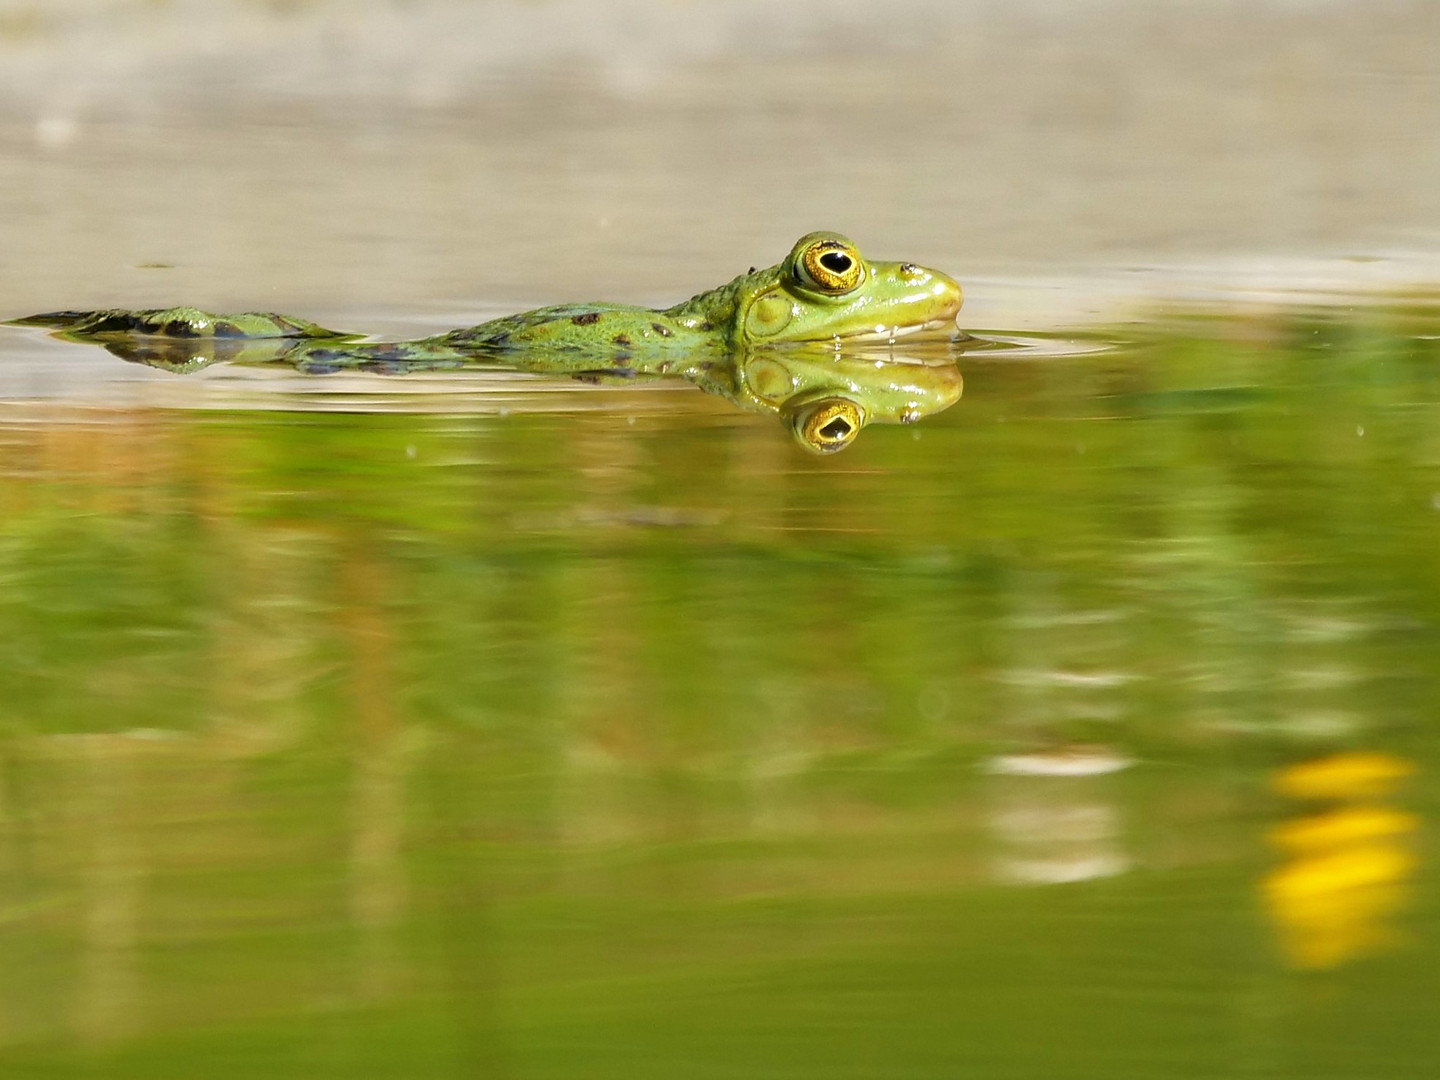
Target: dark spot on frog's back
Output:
[(622, 339), (180, 328), (585, 319), (119, 320), (661, 329), (227, 329)]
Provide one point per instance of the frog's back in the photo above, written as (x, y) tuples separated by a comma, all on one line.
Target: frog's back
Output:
[(574, 327)]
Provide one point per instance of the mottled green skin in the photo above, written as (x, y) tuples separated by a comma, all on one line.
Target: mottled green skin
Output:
[(770, 340)]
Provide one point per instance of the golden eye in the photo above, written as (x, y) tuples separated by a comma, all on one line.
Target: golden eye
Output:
[(828, 425), (831, 266)]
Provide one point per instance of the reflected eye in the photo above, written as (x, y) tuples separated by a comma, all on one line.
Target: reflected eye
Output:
[(828, 425), (831, 266)]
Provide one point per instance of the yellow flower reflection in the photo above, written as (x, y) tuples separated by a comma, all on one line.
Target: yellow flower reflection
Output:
[(1343, 776), (1349, 866)]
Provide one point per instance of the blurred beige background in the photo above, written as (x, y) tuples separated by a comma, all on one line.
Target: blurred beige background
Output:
[(446, 158)]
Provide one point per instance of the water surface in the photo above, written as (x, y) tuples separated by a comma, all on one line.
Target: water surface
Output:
[(1086, 729)]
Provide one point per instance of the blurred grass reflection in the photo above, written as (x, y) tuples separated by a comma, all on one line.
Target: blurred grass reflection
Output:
[(554, 745)]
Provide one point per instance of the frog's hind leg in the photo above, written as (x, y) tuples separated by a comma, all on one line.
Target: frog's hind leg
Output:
[(186, 339), (178, 322)]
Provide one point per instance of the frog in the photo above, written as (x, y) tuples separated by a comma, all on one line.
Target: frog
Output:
[(798, 339)]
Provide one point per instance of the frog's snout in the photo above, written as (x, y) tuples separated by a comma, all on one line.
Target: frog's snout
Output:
[(937, 295), (947, 294)]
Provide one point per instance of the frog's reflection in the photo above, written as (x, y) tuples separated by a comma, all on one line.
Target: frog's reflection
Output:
[(824, 395), (828, 397)]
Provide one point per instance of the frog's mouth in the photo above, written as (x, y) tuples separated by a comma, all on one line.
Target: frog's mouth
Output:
[(932, 311), (882, 334)]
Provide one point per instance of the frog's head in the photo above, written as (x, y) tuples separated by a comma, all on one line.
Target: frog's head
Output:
[(825, 290)]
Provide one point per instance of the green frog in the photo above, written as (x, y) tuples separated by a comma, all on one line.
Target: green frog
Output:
[(813, 339)]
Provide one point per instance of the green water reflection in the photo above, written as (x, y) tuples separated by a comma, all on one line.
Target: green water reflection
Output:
[(556, 745)]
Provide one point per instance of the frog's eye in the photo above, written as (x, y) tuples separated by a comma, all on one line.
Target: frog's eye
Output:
[(832, 266), (828, 425)]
